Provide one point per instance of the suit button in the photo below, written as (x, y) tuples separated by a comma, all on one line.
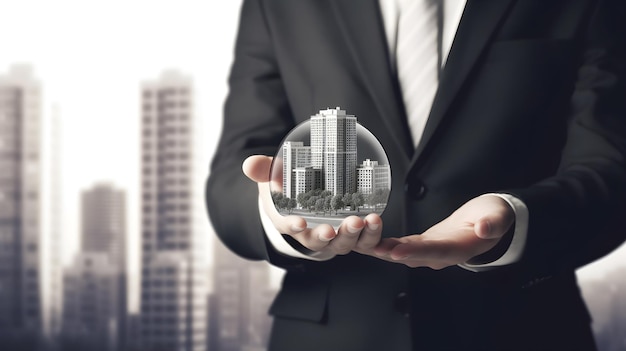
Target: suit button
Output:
[(402, 304), (415, 189)]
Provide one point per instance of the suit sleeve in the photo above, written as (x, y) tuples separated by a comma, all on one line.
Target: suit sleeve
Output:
[(579, 214), (256, 118)]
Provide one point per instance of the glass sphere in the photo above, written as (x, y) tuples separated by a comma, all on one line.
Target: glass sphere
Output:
[(330, 168)]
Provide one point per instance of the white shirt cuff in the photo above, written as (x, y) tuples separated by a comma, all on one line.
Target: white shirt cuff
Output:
[(516, 248), (282, 246)]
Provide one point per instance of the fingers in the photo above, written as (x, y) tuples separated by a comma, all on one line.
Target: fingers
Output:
[(257, 168), (403, 251), (290, 225), (316, 239), (473, 229), (426, 250), (437, 253), (347, 235), (356, 234), (385, 251), (371, 233)]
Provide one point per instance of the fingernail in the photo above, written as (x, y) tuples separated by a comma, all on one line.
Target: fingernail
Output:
[(352, 230), (372, 226), (296, 228), (323, 238)]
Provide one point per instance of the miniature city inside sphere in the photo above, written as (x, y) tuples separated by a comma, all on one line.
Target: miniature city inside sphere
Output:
[(328, 168)]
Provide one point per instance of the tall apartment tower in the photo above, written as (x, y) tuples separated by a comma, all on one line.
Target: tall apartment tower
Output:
[(104, 222), (334, 149), (95, 289), (25, 282), (173, 276), (295, 155)]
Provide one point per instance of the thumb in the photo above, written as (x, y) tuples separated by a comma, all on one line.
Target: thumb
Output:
[(494, 225), (257, 168)]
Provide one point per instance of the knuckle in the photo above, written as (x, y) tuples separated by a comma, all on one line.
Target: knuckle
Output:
[(349, 235)]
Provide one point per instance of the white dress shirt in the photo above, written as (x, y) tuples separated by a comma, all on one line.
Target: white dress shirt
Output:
[(453, 11)]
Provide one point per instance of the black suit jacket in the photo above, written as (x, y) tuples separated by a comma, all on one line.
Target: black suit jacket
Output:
[(531, 103)]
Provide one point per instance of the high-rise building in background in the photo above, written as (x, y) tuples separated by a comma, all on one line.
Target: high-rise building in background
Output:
[(241, 301), (92, 299), (334, 149), (174, 274), (133, 332), (55, 223), (103, 222), (95, 286), (27, 301)]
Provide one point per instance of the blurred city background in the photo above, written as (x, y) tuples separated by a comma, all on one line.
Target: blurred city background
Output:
[(109, 114)]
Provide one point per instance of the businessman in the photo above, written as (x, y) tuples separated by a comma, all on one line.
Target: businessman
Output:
[(505, 126)]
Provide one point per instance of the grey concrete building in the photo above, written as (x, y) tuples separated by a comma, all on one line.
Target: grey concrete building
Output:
[(372, 176), (173, 277), (28, 304), (334, 149), (92, 319), (241, 298), (295, 155), (97, 319)]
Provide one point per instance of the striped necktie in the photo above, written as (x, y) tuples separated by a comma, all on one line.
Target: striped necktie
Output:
[(418, 59)]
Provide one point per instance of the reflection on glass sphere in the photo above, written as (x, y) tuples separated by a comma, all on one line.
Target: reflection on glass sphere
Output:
[(328, 168)]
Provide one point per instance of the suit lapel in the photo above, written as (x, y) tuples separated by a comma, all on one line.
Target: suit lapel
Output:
[(361, 26), (480, 20)]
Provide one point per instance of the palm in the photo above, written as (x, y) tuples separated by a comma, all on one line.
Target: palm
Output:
[(473, 229)]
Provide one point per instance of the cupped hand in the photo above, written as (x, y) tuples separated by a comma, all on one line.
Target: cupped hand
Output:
[(473, 229), (354, 233)]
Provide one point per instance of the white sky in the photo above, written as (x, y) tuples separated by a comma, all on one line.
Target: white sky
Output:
[(91, 57)]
